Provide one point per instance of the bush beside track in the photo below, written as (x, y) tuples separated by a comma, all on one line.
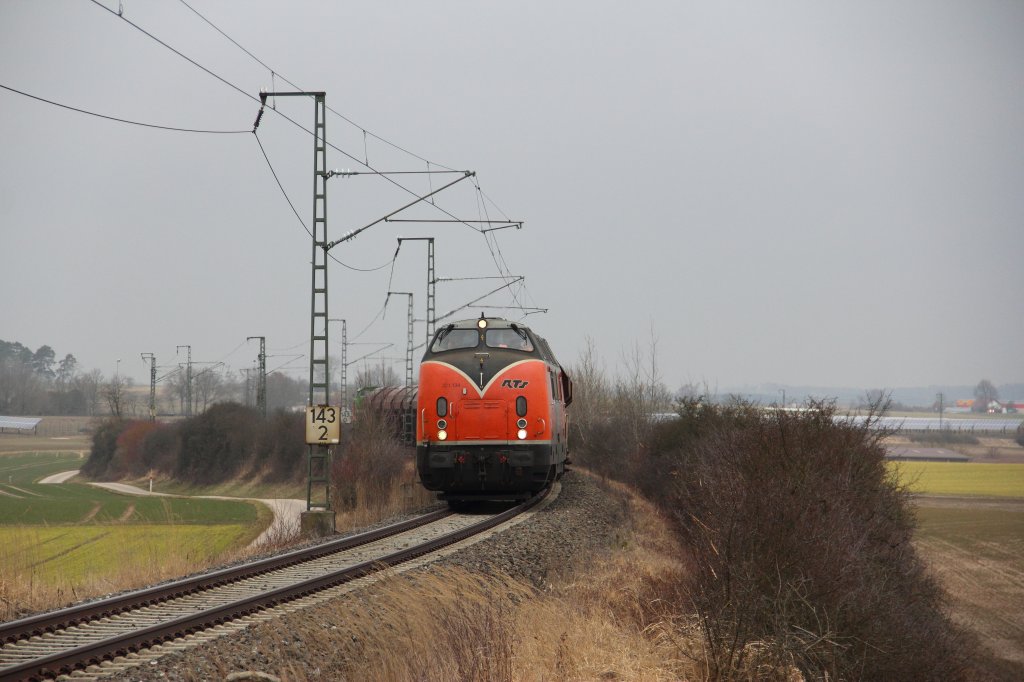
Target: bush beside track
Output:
[(798, 538)]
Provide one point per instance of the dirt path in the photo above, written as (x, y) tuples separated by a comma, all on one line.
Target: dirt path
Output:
[(62, 477), (287, 512)]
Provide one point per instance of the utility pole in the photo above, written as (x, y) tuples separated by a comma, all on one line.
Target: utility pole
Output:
[(408, 338), (431, 281), (261, 377), (942, 399), (152, 384), (188, 381)]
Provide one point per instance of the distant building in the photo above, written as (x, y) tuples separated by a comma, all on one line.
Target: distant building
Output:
[(994, 406)]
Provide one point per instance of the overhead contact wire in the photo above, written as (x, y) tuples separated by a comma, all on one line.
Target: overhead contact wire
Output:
[(301, 221), (366, 158), (364, 162), (121, 120), (336, 113), (289, 119)]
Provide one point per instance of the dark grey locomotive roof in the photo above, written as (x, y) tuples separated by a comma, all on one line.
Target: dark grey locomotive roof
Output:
[(541, 348)]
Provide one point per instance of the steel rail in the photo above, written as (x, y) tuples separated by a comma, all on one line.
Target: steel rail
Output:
[(51, 621), (65, 662)]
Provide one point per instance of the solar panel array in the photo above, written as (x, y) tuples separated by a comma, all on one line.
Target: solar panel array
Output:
[(947, 424), (20, 423)]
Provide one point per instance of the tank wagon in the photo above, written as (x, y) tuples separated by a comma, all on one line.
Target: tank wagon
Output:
[(491, 412)]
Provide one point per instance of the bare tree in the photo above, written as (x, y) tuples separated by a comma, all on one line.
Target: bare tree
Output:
[(212, 386), (640, 394), (283, 392), (591, 395), (115, 393), (383, 374), (984, 393), (690, 391), (22, 389), (90, 384), (874, 396)]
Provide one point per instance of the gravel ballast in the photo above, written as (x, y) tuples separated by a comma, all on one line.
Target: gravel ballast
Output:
[(585, 519)]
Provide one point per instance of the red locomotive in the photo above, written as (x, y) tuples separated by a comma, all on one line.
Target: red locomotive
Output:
[(491, 418)]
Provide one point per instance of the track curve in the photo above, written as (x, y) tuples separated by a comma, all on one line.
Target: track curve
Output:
[(59, 642)]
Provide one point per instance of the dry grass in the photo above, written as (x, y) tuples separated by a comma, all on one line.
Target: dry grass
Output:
[(607, 619), (43, 565), (976, 550), (374, 503)]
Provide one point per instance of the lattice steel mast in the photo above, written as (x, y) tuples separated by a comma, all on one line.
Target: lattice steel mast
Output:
[(152, 384), (261, 376), (408, 337), (318, 486), (188, 381), (344, 364), (431, 281)]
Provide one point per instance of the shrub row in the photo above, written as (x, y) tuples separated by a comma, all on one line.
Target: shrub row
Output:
[(799, 541), (225, 441)]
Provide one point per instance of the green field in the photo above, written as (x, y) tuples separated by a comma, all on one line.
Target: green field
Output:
[(28, 467), (23, 501), (86, 554), (76, 503), (962, 478), (72, 534)]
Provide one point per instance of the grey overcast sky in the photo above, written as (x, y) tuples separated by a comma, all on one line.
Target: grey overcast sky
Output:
[(815, 193)]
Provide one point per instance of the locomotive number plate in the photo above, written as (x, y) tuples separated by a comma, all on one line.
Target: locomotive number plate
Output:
[(323, 424)]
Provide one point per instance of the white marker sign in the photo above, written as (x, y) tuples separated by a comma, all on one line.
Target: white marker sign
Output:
[(323, 425)]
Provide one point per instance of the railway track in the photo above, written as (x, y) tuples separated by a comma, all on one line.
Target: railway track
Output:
[(51, 644)]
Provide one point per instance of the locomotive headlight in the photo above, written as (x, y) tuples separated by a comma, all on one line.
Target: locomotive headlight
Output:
[(482, 322), (521, 423), (522, 434), (442, 424), (443, 435)]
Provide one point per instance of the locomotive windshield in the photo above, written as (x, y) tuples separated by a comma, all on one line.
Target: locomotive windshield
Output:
[(455, 339), (515, 339)]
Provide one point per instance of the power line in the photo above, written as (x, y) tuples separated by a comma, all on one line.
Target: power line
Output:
[(301, 221), (295, 123), (183, 56), (280, 186), (121, 120), (365, 162), (336, 113)]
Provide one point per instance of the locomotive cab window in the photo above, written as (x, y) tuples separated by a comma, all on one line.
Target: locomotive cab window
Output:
[(514, 339), (455, 339)]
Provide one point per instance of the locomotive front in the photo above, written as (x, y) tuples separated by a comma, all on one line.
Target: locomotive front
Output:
[(491, 412)]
